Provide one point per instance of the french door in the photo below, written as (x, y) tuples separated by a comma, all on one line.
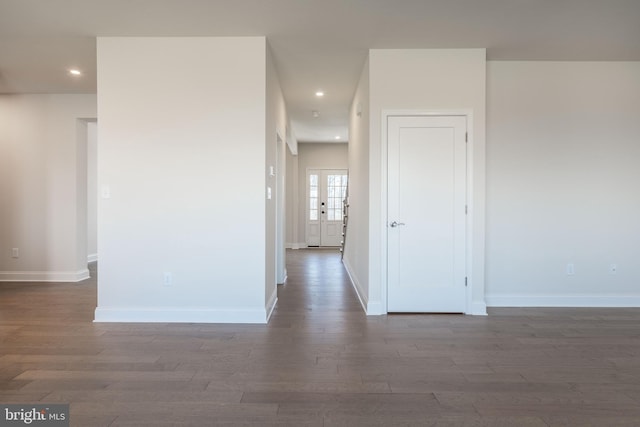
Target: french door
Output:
[(326, 190)]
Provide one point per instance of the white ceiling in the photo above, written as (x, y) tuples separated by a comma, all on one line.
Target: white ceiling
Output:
[(317, 44)]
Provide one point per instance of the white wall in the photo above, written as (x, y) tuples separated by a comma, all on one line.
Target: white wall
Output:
[(292, 200), (562, 183), (182, 150), (315, 156), (356, 253), (43, 186), (92, 191), (435, 80), (276, 146)]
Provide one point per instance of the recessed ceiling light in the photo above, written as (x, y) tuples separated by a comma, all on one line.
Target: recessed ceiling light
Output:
[(337, 137), (319, 94), (75, 72)]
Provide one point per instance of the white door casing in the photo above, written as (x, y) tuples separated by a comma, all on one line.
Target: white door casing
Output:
[(281, 270), (426, 229)]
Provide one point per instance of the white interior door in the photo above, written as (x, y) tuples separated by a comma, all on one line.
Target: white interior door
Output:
[(426, 214), (326, 189)]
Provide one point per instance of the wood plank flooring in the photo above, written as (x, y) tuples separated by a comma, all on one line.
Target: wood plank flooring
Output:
[(320, 362)]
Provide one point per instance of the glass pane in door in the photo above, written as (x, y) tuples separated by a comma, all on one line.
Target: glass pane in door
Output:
[(336, 192), (313, 197)]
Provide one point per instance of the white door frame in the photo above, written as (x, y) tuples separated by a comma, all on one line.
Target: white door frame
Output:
[(280, 170), (471, 232)]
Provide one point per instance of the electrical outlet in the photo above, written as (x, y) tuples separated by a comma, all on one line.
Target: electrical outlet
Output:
[(570, 269), (168, 279), (613, 269), (15, 253)]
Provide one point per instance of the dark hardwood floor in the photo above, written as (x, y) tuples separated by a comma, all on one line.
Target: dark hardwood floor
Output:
[(320, 362)]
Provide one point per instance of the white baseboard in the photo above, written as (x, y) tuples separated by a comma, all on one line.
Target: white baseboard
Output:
[(180, 315), (296, 245), (563, 301), (92, 258), (44, 276), (362, 297), (271, 304), (286, 276), (375, 308), (478, 309)]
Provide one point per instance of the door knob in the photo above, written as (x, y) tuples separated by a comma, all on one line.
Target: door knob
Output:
[(395, 224)]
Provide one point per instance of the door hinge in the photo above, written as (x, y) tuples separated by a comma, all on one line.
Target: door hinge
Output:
[(465, 282), (466, 209), (466, 137)]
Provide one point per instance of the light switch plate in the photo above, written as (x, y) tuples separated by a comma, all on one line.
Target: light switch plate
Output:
[(106, 192)]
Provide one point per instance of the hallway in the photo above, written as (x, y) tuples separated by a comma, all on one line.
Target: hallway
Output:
[(320, 362)]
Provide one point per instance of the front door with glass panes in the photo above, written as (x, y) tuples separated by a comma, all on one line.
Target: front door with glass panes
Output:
[(326, 190)]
